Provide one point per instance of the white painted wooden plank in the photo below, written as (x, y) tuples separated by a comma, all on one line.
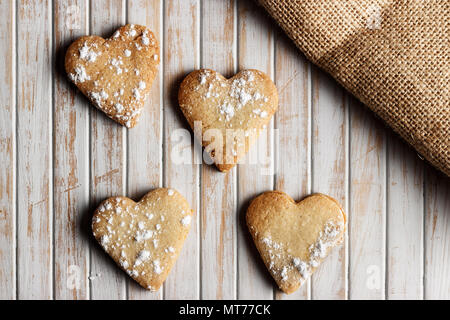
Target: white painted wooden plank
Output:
[(107, 161), (293, 122), (34, 127), (329, 174), (405, 207), (218, 193), (437, 235), (181, 38), (367, 222), (71, 162), (404, 222), (145, 140), (255, 52), (7, 152)]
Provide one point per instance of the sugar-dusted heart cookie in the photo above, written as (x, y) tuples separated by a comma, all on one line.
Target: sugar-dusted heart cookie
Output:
[(231, 112), (144, 238), (294, 238), (116, 74)]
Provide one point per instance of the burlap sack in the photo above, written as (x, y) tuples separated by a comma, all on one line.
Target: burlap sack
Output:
[(392, 55)]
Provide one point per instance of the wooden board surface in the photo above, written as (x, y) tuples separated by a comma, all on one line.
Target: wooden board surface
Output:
[(367, 226), (60, 157), (8, 210)]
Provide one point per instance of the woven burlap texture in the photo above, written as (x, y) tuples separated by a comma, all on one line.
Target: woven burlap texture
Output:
[(392, 55)]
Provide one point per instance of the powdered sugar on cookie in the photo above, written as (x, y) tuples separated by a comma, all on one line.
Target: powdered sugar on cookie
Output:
[(242, 91), (80, 75), (89, 54), (143, 244), (296, 269), (311, 228)]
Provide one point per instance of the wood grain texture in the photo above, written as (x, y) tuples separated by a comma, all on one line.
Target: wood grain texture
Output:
[(437, 235), (7, 152), (293, 122), (255, 52), (107, 161), (145, 140), (34, 168), (367, 223), (405, 210), (329, 165), (181, 27), (218, 190), (71, 161), (60, 157)]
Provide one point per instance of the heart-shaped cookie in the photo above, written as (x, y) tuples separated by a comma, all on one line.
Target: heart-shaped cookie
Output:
[(294, 238), (231, 112), (144, 238), (116, 74)]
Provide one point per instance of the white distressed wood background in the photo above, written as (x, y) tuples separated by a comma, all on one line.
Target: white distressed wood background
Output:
[(59, 157)]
